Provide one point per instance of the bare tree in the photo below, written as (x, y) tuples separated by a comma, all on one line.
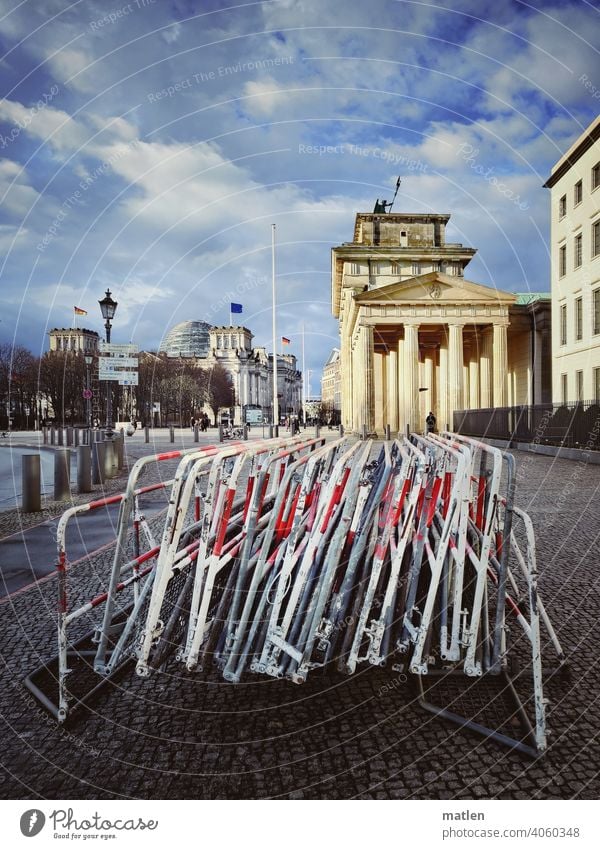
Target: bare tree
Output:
[(219, 391)]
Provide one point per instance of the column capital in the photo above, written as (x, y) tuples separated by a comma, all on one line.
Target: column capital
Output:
[(501, 321)]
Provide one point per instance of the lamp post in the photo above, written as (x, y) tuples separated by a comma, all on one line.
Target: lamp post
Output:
[(88, 400), (109, 308)]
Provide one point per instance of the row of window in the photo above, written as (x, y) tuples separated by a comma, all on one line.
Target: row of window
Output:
[(578, 250), (578, 318), (567, 397), (416, 268), (578, 191)]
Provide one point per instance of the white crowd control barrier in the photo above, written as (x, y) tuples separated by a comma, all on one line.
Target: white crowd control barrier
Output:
[(282, 556)]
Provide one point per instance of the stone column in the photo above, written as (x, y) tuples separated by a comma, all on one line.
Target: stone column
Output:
[(429, 382), (380, 397), (392, 389), (442, 387), (485, 369), (536, 389), (474, 380), (401, 388), (365, 378), (500, 365), (411, 377), (455, 370)]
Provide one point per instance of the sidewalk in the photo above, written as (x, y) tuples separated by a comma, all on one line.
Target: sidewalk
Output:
[(27, 544)]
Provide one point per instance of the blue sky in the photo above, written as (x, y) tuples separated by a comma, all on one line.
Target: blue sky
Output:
[(149, 146)]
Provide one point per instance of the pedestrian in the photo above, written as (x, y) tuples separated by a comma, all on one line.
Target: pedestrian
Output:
[(430, 423)]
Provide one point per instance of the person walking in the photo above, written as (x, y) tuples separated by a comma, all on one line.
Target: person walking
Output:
[(430, 423)]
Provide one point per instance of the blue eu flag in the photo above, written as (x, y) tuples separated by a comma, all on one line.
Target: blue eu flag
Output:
[(236, 308)]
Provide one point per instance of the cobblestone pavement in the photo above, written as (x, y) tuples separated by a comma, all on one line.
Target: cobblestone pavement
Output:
[(176, 735)]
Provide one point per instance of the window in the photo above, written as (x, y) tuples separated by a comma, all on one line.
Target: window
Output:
[(596, 238), (579, 385), (562, 261), (354, 268), (596, 303), (579, 318), (578, 192), (416, 269), (563, 324), (562, 207), (436, 265), (578, 251), (597, 384), (596, 176), (396, 268), (563, 388)]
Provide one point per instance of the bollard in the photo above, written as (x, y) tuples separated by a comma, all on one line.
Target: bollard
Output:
[(245, 432), (52, 436), (109, 459), (61, 436), (98, 436), (62, 475), (98, 460), (69, 436), (270, 431), (276, 431), (220, 433), (408, 431), (146, 434), (171, 434), (84, 469), (76, 433), (341, 430), (120, 449), (363, 434), (196, 432), (45, 435), (387, 433), (31, 499), (317, 431)]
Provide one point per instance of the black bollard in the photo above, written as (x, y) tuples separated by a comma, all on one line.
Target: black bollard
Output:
[(31, 501), (84, 469), (62, 475), (98, 460)]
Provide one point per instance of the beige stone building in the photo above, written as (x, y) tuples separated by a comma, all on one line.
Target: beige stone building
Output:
[(331, 386), (417, 336), (74, 339), (250, 368), (574, 184)]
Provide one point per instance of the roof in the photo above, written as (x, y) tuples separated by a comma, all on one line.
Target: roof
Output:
[(525, 298), (575, 152)]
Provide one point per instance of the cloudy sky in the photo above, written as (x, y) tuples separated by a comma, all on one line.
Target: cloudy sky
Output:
[(148, 147)]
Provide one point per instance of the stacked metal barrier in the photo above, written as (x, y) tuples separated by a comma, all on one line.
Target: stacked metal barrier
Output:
[(282, 556)]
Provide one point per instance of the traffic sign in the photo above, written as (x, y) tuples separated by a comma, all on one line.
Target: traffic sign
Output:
[(87, 394), (109, 348), (132, 380), (114, 361)]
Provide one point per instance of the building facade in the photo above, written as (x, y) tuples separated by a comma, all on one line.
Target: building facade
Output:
[(76, 339), (251, 371), (250, 368), (574, 185), (417, 336), (331, 386)]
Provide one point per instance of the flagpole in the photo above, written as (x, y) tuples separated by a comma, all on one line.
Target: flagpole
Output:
[(275, 398), (303, 380)]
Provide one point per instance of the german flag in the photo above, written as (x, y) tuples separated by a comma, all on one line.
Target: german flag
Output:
[(285, 341), (79, 311)]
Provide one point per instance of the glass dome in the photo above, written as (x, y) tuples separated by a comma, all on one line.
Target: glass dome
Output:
[(187, 339)]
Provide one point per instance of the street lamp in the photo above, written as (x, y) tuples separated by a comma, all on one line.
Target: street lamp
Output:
[(109, 308), (88, 400)]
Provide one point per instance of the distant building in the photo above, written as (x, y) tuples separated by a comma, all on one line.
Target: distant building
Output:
[(250, 368), (574, 185), (74, 339), (331, 385)]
